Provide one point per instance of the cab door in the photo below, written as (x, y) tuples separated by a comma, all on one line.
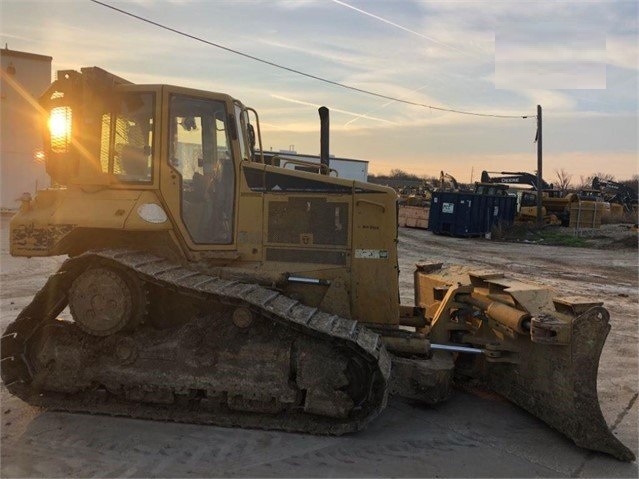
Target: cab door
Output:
[(198, 174)]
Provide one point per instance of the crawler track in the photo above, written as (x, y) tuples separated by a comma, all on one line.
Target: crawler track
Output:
[(295, 369)]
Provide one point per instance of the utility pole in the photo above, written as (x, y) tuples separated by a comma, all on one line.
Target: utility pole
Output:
[(540, 219)]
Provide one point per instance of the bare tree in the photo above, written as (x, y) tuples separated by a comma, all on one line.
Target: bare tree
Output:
[(585, 182), (401, 174), (601, 176), (563, 179), (632, 183)]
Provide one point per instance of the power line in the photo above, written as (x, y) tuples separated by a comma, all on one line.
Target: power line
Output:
[(298, 72)]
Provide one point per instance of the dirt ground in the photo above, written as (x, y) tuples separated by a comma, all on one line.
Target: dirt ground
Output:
[(468, 436)]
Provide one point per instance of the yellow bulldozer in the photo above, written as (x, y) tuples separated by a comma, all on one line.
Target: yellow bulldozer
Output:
[(205, 285)]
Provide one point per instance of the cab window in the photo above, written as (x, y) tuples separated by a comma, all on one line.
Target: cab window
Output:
[(126, 139), (200, 152), (241, 119)]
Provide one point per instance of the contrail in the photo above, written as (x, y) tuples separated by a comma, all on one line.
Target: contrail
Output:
[(359, 115), (381, 107), (396, 25)]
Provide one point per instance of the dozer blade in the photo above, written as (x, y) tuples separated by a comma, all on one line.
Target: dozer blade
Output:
[(539, 351), (558, 384)]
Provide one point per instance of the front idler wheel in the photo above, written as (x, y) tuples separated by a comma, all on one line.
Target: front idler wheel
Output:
[(104, 301)]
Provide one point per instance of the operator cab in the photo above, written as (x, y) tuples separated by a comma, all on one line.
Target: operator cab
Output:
[(185, 144)]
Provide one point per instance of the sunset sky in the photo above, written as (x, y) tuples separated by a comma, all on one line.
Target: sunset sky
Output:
[(577, 59)]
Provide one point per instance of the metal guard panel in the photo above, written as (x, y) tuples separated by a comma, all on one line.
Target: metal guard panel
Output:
[(308, 221), (275, 179), (289, 255), (37, 240), (269, 181)]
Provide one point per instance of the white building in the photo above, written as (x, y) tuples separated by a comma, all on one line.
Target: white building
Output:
[(24, 77)]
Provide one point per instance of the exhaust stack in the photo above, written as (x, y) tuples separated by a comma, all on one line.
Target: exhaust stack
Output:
[(324, 137)]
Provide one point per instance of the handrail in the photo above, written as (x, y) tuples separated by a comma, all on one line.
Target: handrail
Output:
[(259, 132)]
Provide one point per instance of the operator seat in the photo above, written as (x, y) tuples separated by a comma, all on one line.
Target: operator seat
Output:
[(135, 163), (216, 222)]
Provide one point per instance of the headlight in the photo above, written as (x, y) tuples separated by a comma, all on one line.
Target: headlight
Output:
[(60, 128)]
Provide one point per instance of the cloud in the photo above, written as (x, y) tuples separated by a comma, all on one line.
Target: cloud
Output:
[(322, 50), (551, 55), (623, 51), (293, 4), (391, 52), (431, 39), (567, 75)]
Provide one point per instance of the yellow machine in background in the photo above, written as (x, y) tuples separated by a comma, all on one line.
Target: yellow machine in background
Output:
[(207, 286), (414, 203), (555, 203), (413, 206)]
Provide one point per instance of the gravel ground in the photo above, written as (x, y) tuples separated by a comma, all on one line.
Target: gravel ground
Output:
[(466, 436)]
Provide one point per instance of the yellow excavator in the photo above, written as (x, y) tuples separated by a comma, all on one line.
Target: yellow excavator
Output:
[(205, 285)]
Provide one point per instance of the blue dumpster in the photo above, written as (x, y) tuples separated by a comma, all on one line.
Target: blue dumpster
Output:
[(469, 214)]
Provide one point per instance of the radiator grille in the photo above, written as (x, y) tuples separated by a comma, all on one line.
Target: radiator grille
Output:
[(308, 221)]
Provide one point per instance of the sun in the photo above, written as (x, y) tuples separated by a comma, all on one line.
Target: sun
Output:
[(60, 121)]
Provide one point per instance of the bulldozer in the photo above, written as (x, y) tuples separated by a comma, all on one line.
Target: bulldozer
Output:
[(205, 285)]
